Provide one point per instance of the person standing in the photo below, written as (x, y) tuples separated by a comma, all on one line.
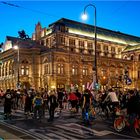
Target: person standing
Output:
[(37, 103), (52, 104), (86, 104), (7, 103)]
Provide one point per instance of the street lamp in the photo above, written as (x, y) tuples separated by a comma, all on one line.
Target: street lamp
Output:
[(84, 17), (16, 47)]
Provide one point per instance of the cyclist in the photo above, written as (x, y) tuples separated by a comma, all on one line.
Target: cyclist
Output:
[(113, 100)]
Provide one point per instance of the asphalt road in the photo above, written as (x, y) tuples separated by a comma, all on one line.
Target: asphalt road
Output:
[(66, 126)]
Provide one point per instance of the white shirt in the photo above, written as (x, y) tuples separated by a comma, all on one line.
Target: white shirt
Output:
[(112, 96)]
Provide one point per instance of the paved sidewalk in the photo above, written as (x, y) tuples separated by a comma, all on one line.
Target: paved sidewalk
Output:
[(6, 135)]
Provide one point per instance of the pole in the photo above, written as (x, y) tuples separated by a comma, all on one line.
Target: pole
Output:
[(18, 82), (95, 70)]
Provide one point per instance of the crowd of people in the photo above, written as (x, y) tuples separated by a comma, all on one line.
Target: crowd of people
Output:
[(36, 103)]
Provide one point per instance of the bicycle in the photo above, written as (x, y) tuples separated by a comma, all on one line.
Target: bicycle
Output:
[(121, 122), (103, 112), (88, 115)]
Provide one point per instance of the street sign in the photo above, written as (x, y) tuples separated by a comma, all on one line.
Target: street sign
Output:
[(128, 81)]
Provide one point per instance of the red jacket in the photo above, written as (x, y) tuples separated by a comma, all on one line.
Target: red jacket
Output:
[(72, 96)]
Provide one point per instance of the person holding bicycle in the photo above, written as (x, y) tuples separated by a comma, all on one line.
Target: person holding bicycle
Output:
[(86, 103)]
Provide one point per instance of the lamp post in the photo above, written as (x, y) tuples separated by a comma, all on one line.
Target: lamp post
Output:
[(16, 47), (84, 17)]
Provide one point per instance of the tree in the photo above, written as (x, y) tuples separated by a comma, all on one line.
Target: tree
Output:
[(23, 35)]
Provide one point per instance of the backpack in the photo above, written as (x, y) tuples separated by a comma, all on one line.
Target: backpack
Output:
[(38, 101)]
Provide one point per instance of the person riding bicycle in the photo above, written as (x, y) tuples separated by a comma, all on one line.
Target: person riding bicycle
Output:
[(86, 102), (37, 103), (114, 102)]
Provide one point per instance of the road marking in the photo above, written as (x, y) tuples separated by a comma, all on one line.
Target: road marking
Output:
[(130, 137), (101, 133), (55, 136), (13, 127), (97, 133), (39, 134), (65, 134)]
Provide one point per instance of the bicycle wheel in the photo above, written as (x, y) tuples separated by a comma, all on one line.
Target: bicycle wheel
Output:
[(98, 111), (119, 124), (137, 126)]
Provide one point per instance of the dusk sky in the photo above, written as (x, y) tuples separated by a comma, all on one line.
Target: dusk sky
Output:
[(123, 16)]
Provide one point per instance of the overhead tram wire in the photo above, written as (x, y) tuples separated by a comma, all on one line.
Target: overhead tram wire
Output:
[(17, 6)]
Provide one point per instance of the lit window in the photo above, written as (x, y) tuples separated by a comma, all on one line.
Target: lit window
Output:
[(22, 70), (27, 70), (74, 70), (60, 68), (85, 71), (10, 69), (46, 69)]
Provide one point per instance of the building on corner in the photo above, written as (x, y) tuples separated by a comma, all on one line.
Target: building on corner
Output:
[(62, 55)]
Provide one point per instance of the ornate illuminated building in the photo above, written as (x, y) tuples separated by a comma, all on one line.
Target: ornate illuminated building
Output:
[(63, 54)]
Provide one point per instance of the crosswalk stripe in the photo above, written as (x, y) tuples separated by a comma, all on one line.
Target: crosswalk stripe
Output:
[(61, 135), (55, 136)]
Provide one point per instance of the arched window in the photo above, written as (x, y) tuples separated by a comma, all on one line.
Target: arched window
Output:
[(6, 69), (11, 70), (25, 68), (3, 70), (46, 69)]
